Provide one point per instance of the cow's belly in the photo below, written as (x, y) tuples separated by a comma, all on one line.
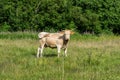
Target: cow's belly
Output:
[(51, 42)]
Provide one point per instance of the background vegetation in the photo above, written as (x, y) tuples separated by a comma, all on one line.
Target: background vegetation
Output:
[(91, 16), (89, 58)]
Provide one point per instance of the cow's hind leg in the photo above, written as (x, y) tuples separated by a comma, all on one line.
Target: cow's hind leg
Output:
[(41, 51), (40, 48), (38, 52)]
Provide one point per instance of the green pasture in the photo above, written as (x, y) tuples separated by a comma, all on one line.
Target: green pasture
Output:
[(90, 57)]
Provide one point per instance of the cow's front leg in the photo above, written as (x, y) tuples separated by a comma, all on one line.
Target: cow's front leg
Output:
[(65, 52), (59, 48)]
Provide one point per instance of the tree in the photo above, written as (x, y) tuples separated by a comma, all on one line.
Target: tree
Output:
[(92, 16)]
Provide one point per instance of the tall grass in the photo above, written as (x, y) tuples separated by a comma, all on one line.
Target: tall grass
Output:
[(18, 35), (89, 58)]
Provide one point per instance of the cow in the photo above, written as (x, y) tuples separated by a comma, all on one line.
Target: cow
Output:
[(54, 40)]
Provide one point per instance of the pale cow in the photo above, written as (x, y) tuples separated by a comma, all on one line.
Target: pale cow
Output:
[(42, 34), (54, 40)]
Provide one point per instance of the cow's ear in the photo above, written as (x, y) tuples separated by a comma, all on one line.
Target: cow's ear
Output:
[(72, 32)]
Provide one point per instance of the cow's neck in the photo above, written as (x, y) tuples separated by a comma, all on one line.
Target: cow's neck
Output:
[(65, 42)]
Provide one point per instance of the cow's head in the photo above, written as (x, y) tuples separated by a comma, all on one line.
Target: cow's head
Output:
[(67, 34)]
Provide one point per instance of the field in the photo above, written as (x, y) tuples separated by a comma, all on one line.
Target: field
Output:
[(90, 57)]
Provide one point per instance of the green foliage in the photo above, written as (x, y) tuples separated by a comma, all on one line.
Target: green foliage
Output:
[(5, 27), (85, 16)]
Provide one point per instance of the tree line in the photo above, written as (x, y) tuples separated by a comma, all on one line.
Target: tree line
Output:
[(84, 16)]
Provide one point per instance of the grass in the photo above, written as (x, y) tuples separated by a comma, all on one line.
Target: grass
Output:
[(89, 58)]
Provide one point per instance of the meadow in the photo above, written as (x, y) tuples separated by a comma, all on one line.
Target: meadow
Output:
[(90, 57)]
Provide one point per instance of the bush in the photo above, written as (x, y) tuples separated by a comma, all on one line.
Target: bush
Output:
[(5, 27), (93, 16)]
